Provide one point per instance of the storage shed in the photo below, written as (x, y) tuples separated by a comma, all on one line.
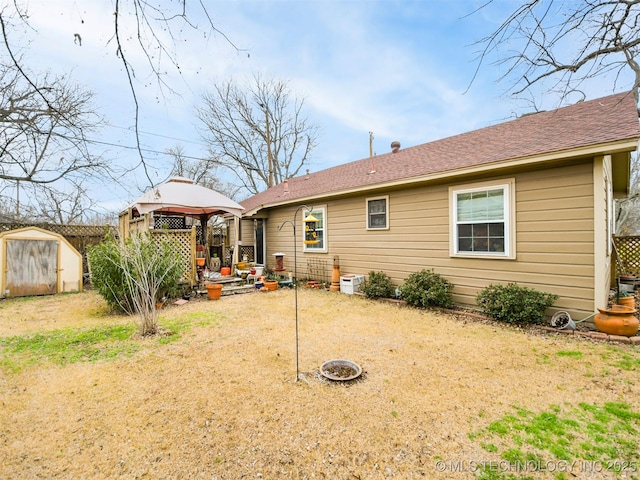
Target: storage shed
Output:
[(38, 262)]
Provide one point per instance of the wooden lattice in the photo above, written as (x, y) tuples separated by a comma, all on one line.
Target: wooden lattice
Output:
[(627, 250), (183, 241), (248, 251), (171, 223)]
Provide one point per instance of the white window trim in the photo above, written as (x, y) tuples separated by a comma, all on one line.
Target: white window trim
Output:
[(509, 187), (309, 248), (366, 208)]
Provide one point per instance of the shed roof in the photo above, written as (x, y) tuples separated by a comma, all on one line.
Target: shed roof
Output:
[(601, 126)]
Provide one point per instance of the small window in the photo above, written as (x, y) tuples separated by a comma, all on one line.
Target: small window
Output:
[(321, 230), (481, 223), (378, 213)]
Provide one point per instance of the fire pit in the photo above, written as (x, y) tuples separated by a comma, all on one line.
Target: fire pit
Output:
[(340, 370)]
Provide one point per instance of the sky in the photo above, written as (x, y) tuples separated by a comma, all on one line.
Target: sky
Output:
[(403, 70)]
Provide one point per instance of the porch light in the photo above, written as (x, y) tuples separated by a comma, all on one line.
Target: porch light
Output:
[(310, 236)]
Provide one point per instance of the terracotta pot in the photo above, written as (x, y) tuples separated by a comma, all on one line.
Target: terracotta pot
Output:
[(617, 320), (214, 290), (225, 271), (271, 285), (200, 261), (627, 302)]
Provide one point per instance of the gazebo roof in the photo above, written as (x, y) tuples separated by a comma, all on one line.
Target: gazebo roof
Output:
[(181, 196)]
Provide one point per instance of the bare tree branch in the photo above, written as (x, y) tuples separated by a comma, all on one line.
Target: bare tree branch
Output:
[(564, 44), (43, 126)]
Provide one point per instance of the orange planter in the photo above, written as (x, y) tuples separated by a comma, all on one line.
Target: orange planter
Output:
[(225, 271), (617, 320), (627, 302), (214, 290), (271, 284)]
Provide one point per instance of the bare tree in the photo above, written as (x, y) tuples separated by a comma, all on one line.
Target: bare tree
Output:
[(202, 171), (43, 129), (559, 45), (257, 132), (63, 207), (141, 29)]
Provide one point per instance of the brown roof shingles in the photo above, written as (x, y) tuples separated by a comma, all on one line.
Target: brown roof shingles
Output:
[(600, 121)]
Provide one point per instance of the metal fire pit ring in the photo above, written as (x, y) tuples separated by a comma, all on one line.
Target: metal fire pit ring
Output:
[(340, 370)]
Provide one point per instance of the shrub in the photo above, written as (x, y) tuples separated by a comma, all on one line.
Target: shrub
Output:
[(107, 276), (132, 276), (379, 286), (514, 304), (427, 289)]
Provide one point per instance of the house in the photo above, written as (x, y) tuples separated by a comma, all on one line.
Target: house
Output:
[(528, 201)]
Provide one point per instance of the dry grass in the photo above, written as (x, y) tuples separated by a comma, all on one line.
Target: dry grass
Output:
[(222, 403)]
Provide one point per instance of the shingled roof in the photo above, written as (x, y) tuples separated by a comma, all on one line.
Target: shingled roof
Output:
[(586, 125)]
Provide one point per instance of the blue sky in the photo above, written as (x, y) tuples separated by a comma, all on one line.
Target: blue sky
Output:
[(398, 68)]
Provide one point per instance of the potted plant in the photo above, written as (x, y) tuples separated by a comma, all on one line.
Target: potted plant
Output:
[(626, 299)]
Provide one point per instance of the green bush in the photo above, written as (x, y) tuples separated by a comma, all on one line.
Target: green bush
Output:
[(427, 289), (107, 276), (379, 286), (514, 304), (120, 270)]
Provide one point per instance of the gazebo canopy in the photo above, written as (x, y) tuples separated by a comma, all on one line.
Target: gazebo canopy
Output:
[(181, 196)]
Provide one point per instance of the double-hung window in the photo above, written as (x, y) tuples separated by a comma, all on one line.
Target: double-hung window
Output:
[(378, 213), (320, 213), (482, 220)]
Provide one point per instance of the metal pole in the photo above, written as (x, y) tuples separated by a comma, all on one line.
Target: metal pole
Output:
[(295, 288), (295, 285)]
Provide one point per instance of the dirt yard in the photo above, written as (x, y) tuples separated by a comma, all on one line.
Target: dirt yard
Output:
[(222, 401)]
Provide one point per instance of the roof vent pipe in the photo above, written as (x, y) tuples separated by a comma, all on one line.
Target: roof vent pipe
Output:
[(395, 146)]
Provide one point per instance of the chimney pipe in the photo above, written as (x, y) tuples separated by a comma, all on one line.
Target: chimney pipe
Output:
[(395, 146)]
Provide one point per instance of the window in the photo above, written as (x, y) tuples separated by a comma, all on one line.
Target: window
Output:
[(481, 221), (377, 213), (321, 230)]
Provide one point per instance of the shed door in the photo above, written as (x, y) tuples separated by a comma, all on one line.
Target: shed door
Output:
[(32, 267)]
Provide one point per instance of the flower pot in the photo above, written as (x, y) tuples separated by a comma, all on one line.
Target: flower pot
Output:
[(617, 320), (215, 264), (271, 284), (627, 301), (225, 271), (200, 261), (214, 290), (563, 321)]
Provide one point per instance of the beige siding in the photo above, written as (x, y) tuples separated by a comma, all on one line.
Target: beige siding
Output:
[(554, 238), (247, 233)]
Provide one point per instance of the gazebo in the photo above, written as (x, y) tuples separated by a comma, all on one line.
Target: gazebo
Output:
[(162, 212)]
